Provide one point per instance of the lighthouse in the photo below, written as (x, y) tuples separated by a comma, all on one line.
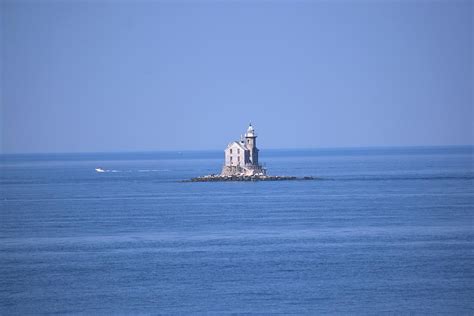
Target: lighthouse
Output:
[(241, 157)]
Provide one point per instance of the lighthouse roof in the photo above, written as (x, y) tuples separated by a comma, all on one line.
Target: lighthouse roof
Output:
[(238, 144)]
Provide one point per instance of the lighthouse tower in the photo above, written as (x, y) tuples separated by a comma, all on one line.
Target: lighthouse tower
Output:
[(251, 144)]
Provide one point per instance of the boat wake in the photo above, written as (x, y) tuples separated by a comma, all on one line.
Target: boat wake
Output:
[(101, 170), (153, 170)]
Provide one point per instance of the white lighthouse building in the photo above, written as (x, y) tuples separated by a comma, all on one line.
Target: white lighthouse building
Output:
[(241, 157)]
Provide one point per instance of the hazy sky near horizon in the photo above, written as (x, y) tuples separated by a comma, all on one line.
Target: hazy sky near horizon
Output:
[(173, 75)]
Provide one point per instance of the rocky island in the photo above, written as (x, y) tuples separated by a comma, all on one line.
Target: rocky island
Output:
[(241, 163), (220, 178)]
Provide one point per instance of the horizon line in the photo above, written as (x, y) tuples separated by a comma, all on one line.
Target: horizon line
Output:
[(211, 150)]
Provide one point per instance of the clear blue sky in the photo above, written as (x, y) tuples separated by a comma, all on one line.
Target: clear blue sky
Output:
[(175, 75)]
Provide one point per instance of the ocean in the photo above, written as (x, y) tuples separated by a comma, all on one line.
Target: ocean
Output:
[(384, 230)]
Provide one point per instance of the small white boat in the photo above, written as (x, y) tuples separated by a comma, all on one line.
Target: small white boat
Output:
[(99, 170)]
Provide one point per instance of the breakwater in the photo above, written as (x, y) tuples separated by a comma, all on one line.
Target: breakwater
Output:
[(221, 178)]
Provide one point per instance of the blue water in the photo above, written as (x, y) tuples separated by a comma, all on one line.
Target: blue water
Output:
[(386, 230)]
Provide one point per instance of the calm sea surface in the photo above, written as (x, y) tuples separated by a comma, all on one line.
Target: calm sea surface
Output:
[(384, 231)]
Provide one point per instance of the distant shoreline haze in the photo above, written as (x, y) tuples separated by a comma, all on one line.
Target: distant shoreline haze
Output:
[(214, 150), (265, 152)]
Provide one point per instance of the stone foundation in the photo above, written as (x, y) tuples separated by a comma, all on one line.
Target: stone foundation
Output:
[(249, 170)]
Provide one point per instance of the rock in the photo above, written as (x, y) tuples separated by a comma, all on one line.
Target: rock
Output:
[(219, 178)]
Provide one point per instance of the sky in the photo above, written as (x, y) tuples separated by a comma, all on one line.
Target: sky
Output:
[(100, 76)]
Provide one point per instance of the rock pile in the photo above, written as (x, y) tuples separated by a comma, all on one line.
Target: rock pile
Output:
[(220, 178)]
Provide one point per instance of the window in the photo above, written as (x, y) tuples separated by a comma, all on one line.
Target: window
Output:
[(230, 150)]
